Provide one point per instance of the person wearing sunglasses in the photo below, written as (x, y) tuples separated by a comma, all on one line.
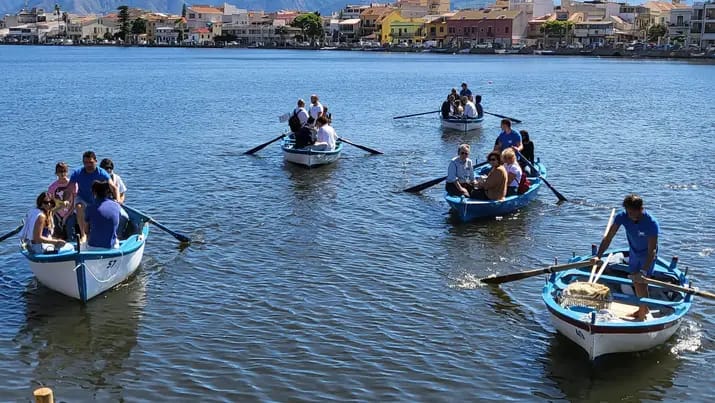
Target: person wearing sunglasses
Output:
[(39, 226), (493, 187), (460, 174)]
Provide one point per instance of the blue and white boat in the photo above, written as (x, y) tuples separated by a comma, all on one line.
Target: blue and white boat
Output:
[(468, 209), (461, 124), (307, 156), (83, 274), (608, 328)]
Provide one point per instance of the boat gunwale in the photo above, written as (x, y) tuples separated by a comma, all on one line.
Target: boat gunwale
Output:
[(308, 151)]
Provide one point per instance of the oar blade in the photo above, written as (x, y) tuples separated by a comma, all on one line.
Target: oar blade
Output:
[(368, 149), (260, 147), (11, 233), (423, 186), (506, 278)]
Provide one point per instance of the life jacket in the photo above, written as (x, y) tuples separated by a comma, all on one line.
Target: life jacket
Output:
[(524, 184)]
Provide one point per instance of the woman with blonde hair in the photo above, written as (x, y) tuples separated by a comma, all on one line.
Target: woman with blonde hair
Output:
[(513, 171)]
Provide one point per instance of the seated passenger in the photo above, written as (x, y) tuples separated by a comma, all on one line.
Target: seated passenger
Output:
[(470, 110), (102, 218), (303, 137), (326, 137), (58, 191), (527, 152), (458, 109), (39, 225), (478, 104), (493, 187), (460, 174), (446, 108), (513, 171)]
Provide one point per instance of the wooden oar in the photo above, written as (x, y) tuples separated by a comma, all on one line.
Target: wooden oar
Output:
[(11, 233), (593, 270), (686, 290), (423, 186), (258, 148), (414, 114), (531, 273), (368, 149), (533, 168), (179, 237), (503, 117)]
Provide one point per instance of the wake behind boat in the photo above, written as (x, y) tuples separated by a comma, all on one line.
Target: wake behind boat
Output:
[(83, 274), (468, 209), (600, 322), (308, 156)]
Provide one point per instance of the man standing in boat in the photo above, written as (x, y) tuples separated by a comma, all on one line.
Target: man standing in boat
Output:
[(81, 187), (642, 232), (508, 138), (316, 109), (465, 92)]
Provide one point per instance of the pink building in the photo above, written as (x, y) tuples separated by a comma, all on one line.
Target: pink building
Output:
[(472, 27)]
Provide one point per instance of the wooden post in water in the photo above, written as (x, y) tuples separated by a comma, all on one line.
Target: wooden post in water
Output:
[(43, 395)]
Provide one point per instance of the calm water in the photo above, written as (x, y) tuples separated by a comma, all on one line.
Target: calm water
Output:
[(332, 284)]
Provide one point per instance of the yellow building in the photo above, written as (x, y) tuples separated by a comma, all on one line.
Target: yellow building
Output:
[(397, 29)]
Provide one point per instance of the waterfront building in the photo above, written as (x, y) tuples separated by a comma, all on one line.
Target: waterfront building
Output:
[(163, 29), (202, 16), (470, 28), (397, 29), (349, 30), (371, 20), (702, 24), (91, 28), (679, 25), (431, 6), (639, 16), (435, 29), (533, 8), (594, 33)]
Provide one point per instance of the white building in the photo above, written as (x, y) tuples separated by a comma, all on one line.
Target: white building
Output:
[(702, 24)]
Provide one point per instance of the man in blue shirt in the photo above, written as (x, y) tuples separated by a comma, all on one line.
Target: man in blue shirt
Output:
[(508, 138), (83, 178), (642, 232), (465, 92), (103, 217)]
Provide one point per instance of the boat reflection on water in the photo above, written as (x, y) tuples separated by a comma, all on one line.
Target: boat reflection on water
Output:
[(79, 349), (646, 375)]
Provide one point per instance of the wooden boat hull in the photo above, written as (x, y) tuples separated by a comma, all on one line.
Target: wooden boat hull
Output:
[(463, 125), (308, 157), (471, 209), (612, 331), (85, 274)]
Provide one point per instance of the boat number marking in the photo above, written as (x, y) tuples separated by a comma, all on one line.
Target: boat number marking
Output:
[(111, 263), (578, 332)]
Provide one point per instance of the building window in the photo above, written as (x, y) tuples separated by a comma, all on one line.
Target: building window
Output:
[(506, 30), (192, 15), (441, 29)]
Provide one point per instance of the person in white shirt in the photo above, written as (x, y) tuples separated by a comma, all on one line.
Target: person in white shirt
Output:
[(470, 109), (301, 112), (513, 171), (316, 109), (108, 165), (326, 136)]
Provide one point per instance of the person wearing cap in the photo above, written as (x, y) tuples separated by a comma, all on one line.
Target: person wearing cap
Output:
[(108, 165), (465, 92)]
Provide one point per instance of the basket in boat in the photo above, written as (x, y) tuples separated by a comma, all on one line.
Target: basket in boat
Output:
[(590, 295)]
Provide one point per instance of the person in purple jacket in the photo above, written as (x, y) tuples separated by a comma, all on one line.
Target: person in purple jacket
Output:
[(642, 232)]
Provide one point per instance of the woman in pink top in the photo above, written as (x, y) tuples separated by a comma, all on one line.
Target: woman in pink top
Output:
[(57, 190)]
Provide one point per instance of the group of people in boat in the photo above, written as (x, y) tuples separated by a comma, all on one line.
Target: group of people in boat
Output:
[(462, 105), (508, 171), (87, 200), (311, 126)]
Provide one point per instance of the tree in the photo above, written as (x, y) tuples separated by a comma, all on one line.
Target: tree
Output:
[(311, 26), (183, 10), (555, 27), (123, 22), (139, 26), (57, 13), (656, 32)]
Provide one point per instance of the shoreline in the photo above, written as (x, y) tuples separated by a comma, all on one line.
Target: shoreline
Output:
[(599, 52)]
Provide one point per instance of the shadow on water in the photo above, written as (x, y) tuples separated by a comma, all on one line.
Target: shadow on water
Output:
[(79, 347), (615, 377)]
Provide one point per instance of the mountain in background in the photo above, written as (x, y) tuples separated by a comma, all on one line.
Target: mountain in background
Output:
[(326, 7)]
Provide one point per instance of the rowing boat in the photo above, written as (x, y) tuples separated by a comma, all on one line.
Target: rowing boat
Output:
[(307, 156), (461, 124), (468, 209), (83, 273), (607, 328)]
